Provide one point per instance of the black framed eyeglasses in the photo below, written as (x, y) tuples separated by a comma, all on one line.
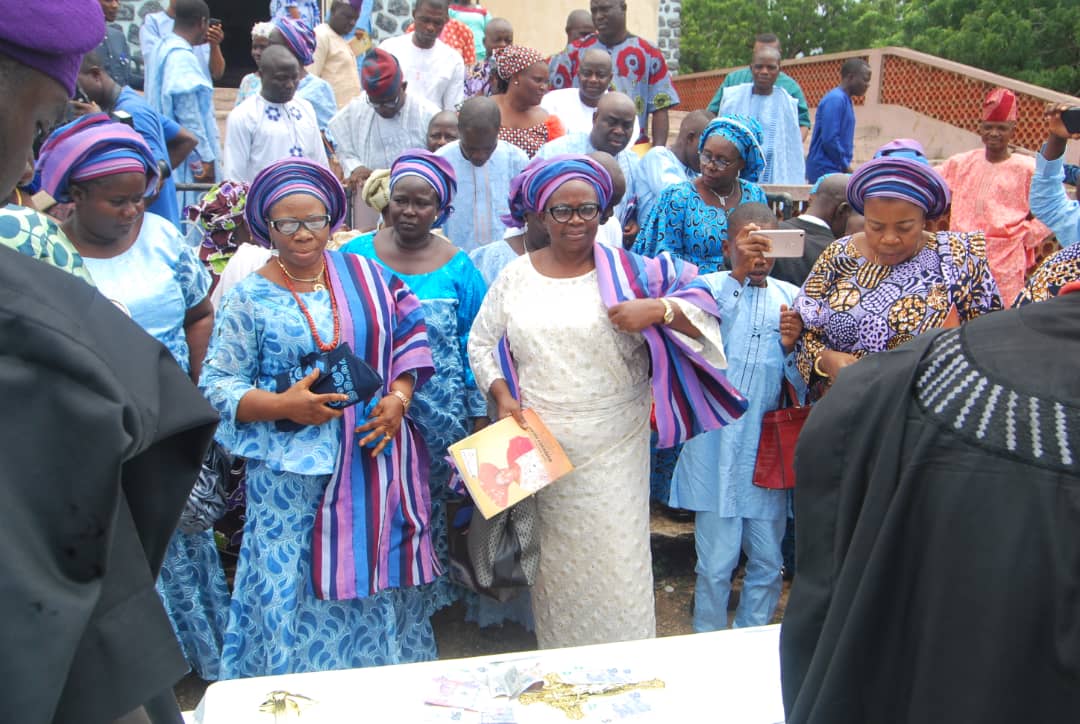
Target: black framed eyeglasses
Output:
[(707, 159), (390, 104), (563, 213), (289, 226)]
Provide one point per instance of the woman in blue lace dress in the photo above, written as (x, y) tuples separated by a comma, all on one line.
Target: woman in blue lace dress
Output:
[(336, 547), (450, 290), (141, 262), (689, 220)]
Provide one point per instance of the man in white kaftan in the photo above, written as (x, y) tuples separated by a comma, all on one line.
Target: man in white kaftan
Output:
[(274, 124), (375, 128), (432, 68)]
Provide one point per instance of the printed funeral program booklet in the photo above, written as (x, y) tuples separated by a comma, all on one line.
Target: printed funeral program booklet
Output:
[(503, 463)]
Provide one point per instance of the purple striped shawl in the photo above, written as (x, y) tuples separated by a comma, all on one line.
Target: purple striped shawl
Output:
[(372, 528), (690, 395)]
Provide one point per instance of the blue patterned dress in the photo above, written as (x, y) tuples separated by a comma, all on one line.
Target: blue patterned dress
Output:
[(156, 281), (442, 408), (682, 224), (276, 624)]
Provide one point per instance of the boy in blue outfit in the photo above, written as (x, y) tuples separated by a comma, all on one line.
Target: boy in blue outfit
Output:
[(715, 470)]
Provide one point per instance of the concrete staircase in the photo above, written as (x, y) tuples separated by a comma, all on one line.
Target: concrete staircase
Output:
[(224, 101)]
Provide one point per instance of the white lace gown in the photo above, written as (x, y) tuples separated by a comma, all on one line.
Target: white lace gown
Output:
[(590, 385)]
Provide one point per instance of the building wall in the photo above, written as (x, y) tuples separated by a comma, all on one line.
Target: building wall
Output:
[(669, 30), (130, 18), (542, 25), (390, 18)]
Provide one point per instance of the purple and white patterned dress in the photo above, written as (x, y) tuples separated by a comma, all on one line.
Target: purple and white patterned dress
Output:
[(850, 304)]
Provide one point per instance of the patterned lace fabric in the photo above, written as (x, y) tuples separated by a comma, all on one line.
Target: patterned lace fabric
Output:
[(954, 390), (528, 140)]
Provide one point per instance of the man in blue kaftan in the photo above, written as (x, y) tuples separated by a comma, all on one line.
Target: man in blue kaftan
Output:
[(715, 471), (484, 166), (177, 88), (777, 112)]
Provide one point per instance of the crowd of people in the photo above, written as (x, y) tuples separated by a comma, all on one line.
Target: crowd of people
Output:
[(390, 250)]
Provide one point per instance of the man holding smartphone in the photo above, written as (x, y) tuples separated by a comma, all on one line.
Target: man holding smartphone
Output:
[(1048, 200), (156, 27)]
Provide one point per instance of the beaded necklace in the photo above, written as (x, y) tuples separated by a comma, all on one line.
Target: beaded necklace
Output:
[(323, 346)]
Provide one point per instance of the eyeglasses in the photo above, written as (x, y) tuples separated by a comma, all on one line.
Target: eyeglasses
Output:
[(390, 104), (707, 159), (563, 213), (290, 226)]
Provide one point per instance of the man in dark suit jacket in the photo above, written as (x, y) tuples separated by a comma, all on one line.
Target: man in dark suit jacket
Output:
[(823, 221)]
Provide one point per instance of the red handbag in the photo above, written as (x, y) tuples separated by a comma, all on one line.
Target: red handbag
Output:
[(780, 428)]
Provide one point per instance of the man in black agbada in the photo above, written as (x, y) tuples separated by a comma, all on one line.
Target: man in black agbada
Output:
[(101, 439), (939, 531)]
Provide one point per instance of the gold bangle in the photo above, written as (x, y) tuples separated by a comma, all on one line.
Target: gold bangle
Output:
[(669, 311), (405, 399), (817, 368)]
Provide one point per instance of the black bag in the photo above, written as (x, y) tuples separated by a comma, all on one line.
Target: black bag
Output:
[(210, 496), (497, 556), (342, 372)]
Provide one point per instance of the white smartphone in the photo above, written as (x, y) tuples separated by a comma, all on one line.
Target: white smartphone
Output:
[(786, 243)]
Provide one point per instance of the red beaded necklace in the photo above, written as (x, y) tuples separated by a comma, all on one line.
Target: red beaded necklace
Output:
[(323, 346)]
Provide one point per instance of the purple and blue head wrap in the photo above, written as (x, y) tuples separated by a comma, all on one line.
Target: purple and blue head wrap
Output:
[(900, 170), (436, 170), (92, 147), (51, 36), (746, 135), (286, 178), (531, 189), (299, 37)]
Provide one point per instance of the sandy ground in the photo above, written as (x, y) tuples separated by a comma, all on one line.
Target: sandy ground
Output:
[(673, 568)]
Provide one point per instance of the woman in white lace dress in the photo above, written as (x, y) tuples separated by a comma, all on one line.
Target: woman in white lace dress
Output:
[(583, 364)]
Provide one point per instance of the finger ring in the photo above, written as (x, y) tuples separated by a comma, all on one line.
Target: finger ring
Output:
[(388, 437)]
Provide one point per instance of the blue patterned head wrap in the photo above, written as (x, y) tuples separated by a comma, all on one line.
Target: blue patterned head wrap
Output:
[(436, 170), (746, 135), (900, 171), (285, 178), (299, 37), (91, 147), (532, 188)]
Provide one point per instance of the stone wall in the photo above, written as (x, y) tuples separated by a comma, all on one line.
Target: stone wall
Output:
[(130, 18), (669, 30), (390, 18)]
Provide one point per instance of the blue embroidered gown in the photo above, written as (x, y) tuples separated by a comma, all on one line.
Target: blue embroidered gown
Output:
[(682, 224), (156, 281), (442, 409), (276, 625)]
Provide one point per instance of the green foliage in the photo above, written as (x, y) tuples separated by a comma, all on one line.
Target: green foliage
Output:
[(1037, 41)]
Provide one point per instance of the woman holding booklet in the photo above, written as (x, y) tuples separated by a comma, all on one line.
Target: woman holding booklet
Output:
[(585, 325)]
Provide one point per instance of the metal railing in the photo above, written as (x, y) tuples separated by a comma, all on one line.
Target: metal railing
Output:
[(949, 92)]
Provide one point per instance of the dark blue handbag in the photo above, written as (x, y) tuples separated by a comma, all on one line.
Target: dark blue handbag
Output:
[(342, 373)]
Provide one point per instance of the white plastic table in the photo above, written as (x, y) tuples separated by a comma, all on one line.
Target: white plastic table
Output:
[(730, 676)]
